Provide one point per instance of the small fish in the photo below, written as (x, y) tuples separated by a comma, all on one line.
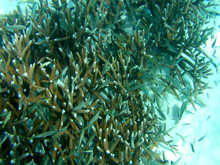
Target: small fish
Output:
[(183, 108), (3, 139), (161, 114), (176, 162), (214, 43), (44, 134), (15, 27), (22, 156), (200, 139), (213, 13), (208, 95), (80, 106), (34, 8), (94, 118), (89, 141), (60, 131), (186, 124), (181, 137), (192, 146), (208, 117), (139, 9)]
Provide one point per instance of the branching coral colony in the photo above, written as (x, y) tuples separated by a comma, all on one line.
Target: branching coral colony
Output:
[(82, 82)]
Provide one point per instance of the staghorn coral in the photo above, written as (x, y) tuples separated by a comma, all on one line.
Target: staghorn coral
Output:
[(82, 81)]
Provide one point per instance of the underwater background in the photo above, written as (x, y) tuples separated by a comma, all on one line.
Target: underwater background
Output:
[(197, 134)]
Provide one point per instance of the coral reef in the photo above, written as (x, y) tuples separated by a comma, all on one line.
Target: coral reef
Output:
[(82, 82)]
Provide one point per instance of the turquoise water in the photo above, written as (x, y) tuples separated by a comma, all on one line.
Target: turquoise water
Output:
[(203, 123)]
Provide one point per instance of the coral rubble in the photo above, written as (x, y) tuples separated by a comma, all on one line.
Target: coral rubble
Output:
[(82, 82)]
